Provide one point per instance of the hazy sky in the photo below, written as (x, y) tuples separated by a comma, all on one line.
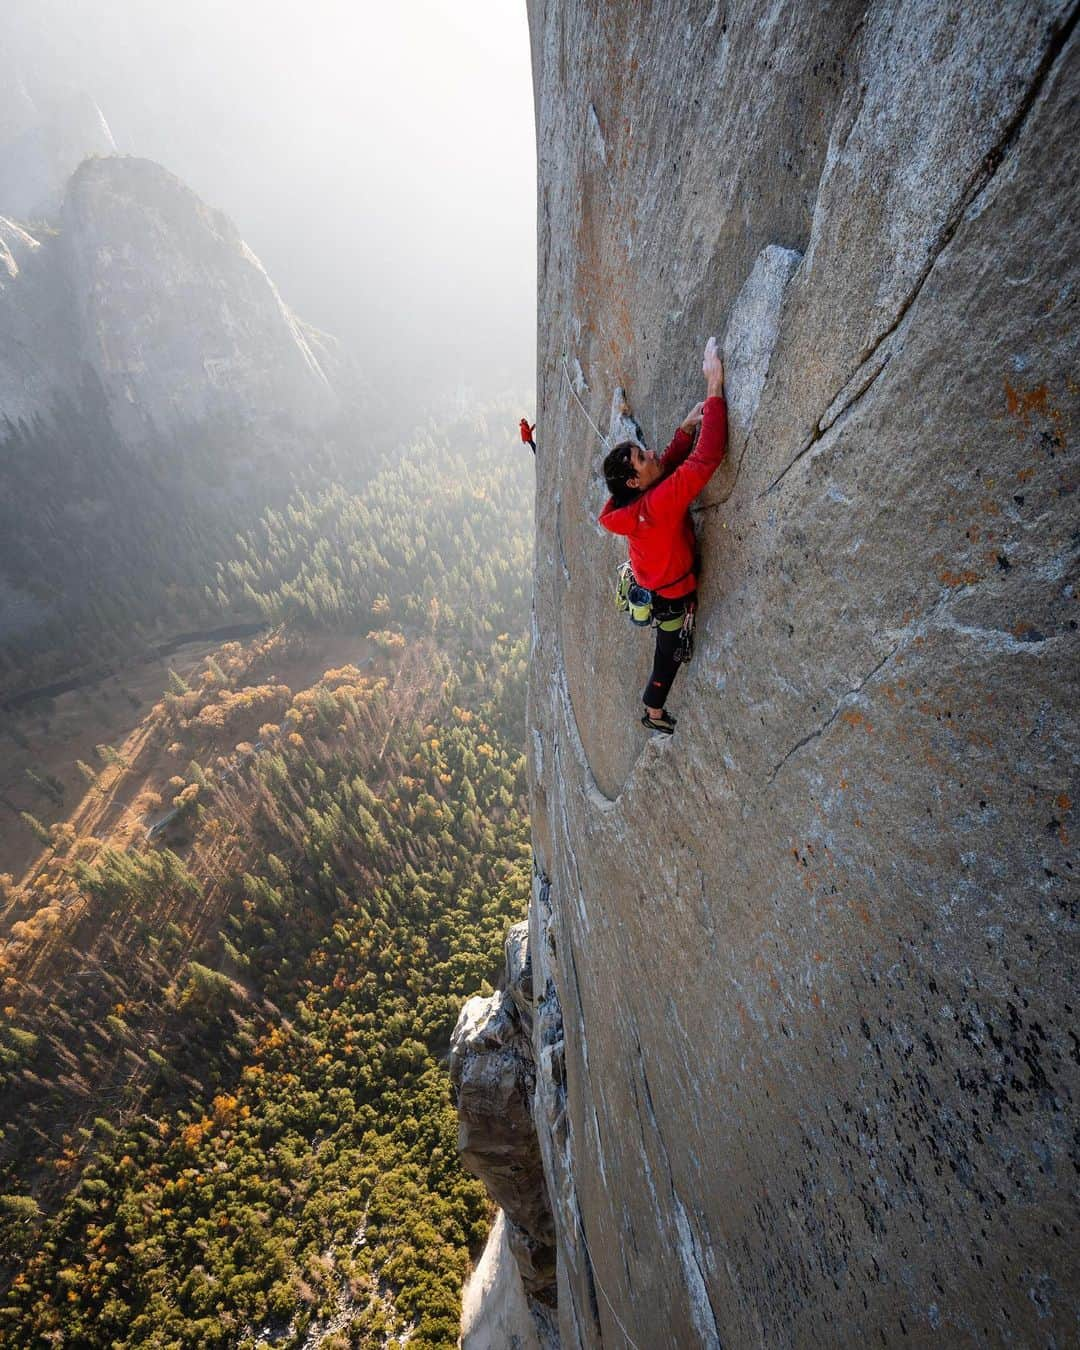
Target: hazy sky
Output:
[(379, 158)]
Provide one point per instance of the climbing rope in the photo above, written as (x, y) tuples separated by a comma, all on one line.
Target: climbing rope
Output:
[(570, 385), (596, 1278)]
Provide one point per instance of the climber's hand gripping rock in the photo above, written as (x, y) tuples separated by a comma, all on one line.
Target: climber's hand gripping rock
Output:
[(692, 419), (713, 370)]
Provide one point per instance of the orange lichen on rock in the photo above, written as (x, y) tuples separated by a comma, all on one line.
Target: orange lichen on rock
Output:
[(1023, 405), (1034, 403), (854, 718)]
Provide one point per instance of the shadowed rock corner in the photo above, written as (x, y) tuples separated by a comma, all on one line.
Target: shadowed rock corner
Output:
[(512, 1291)]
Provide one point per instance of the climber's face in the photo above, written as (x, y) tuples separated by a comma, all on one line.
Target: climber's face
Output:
[(646, 465)]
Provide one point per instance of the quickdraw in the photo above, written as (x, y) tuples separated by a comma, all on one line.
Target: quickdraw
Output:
[(624, 579), (684, 651)]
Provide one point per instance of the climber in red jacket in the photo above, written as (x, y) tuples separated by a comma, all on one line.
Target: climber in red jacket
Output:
[(650, 504), (527, 434)]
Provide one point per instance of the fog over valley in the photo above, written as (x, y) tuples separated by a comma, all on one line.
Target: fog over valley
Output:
[(378, 159)]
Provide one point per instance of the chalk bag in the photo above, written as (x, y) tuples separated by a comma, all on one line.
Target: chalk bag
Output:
[(640, 601)]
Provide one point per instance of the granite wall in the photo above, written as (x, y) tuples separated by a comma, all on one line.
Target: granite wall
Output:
[(814, 956)]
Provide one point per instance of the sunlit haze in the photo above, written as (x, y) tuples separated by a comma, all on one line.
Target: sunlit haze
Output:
[(379, 159)]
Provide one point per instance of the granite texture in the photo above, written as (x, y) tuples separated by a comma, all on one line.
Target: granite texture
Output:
[(39, 361), (493, 1075), (806, 970), (495, 1314)]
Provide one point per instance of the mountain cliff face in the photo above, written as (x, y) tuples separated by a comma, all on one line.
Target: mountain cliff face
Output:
[(810, 962), (155, 394), (178, 318), (157, 297)]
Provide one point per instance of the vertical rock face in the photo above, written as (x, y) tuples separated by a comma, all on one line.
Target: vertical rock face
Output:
[(812, 1079), (491, 1069), (495, 1314), (138, 324)]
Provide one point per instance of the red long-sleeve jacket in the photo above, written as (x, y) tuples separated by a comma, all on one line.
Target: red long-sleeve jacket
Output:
[(659, 532)]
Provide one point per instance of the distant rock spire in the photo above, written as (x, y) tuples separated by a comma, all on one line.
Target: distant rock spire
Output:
[(41, 145)]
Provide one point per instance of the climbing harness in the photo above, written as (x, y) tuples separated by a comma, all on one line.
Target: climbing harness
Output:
[(638, 604)]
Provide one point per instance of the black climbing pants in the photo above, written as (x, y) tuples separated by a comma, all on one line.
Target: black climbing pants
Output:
[(665, 661)]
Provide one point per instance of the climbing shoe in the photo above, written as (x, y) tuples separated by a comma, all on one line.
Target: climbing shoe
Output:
[(664, 723)]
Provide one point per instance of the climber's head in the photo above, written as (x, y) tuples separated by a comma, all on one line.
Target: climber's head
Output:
[(629, 469)]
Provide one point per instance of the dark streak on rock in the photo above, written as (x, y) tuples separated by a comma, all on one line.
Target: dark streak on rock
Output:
[(822, 426), (852, 693)]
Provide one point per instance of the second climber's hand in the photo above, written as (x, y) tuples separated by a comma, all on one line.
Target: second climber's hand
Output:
[(692, 419), (713, 369)]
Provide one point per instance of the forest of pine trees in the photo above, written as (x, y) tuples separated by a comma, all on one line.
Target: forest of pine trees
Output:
[(227, 1119), (111, 549), (413, 546)]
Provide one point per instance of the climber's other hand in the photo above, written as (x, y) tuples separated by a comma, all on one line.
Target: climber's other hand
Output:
[(692, 419)]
